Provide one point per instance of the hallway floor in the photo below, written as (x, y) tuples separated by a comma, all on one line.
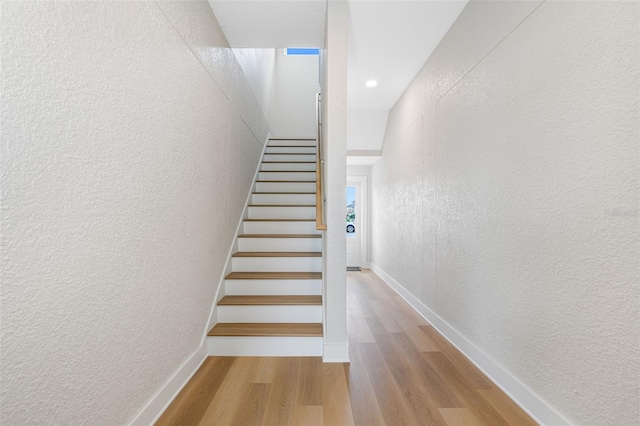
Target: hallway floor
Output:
[(402, 372)]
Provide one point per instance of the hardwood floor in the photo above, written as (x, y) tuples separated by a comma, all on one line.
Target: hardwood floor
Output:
[(402, 372)]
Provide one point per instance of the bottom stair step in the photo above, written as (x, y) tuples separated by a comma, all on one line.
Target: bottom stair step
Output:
[(267, 329), (265, 339)]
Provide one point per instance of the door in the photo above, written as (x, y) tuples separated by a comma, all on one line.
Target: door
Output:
[(353, 223)]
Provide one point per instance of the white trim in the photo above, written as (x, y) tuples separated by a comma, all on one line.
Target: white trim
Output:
[(531, 403), (154, 408), (336, 352)]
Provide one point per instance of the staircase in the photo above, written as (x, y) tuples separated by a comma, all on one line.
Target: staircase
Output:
[(272, 304)]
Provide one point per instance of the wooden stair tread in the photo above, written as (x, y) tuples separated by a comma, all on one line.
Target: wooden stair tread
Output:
[(292, 139), (290, 162), (270, 300), (277, 254), (280, 236), (284, 193), (281, 205), (267, 329), (288, 181), (279, 220), (291, 146), (274, 276)]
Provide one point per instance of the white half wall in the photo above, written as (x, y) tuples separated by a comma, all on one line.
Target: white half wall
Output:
[(130, 138), (334, 140), (506, 200)]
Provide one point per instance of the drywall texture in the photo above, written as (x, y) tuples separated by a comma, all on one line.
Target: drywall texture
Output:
[(129, 142), (334, 140), (507, 197)]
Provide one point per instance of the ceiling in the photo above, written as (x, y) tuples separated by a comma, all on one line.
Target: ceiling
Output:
[(389, 40), (271, 23)]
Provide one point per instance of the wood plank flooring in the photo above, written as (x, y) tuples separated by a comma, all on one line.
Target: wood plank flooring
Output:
[(402, 372)]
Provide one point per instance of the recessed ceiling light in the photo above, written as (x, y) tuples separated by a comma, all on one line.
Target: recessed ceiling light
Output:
[(371, 83)]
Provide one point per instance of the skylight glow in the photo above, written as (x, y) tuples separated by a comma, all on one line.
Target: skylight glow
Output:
[(371, 83)]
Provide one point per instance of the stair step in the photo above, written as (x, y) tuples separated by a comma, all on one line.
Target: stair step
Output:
[(270, 300), (279, 220), (285, 198), (280, 236), (289, 148), (274, 276), (291, 142), (279, 166), (279, 226), (289, 175), (270, 309), (280, 243), (277, 254), (282, 211), (272, 149), (276, 263), (281, 346), (267, 287), (286, 186), (289, 157), (267, 329)]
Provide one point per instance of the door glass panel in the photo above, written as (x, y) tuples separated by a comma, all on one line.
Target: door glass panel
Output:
[(351, 212)]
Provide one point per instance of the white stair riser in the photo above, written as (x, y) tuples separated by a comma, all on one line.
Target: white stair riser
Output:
[(289, 157), (276, 264), (284, 212), (279, 244), (264, 346), (309, 167), (280, 228), (291, 150), (286, 187), (293, 176), (292, 142), (269, 313), (273, 287), (284, 198)]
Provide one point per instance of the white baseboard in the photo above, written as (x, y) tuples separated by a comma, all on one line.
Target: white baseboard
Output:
[(335, 352), (152, 411), (531, 403)]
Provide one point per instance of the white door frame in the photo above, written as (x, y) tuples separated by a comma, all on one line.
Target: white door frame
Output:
[(362, 216)]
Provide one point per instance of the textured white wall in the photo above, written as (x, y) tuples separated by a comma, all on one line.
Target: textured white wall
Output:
[(506, 199), (334, 128), (129, 141)]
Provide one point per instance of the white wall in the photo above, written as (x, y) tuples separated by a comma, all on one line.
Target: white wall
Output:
[(365, 130), (259, 67), (129, 141), (292, 113), (512, 159), (334, 142)]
